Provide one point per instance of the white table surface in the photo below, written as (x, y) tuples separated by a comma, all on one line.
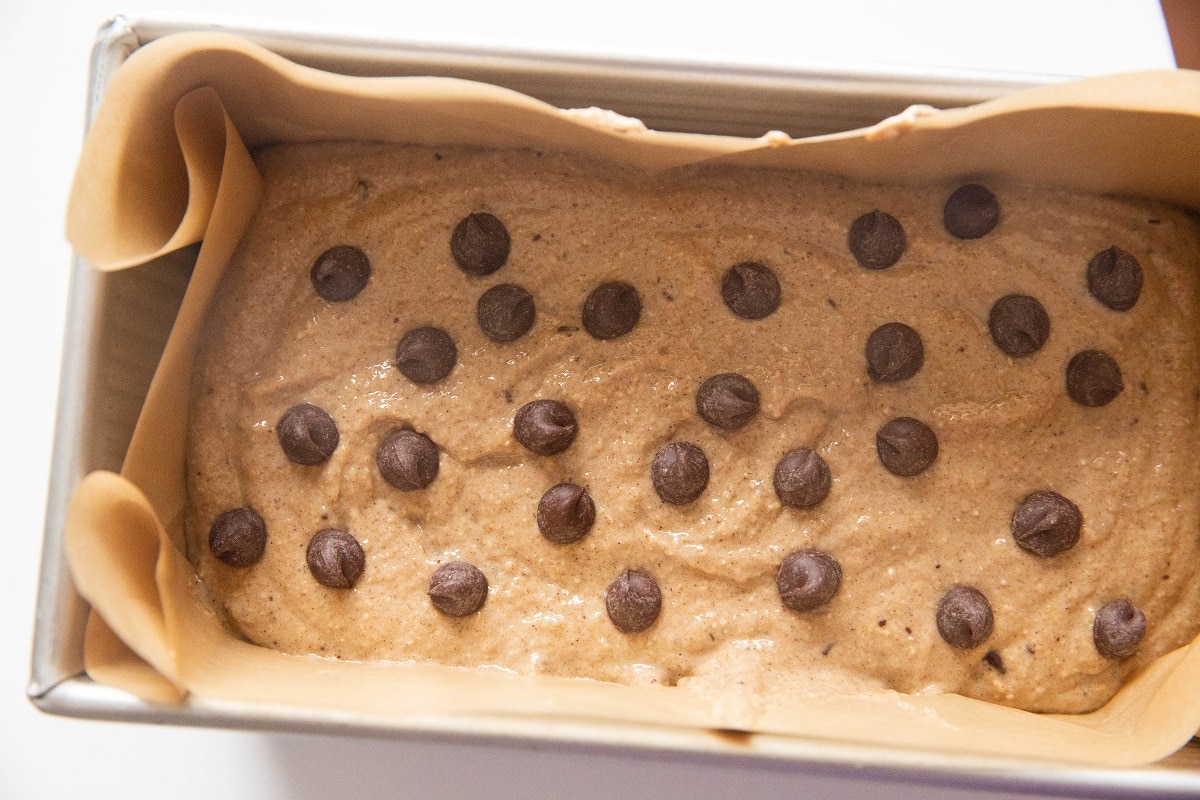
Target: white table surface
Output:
[(48, 757)]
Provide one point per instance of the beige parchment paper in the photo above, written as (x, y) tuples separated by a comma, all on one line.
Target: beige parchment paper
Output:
[(167, 165)]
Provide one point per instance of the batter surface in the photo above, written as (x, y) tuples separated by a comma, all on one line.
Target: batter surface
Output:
[(1005, 427)]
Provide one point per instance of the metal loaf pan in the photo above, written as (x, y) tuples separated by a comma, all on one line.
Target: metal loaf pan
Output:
[(118, 323)]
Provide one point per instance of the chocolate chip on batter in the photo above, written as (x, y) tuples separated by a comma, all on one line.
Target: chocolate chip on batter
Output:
[(633, 601), (546, 427), (1093, 378), (480, 244), (894, 353), (1114, 277), (679, 472), (964, 617), (1118, 629), (335, 558), (1019, 325), (307, 434), (238, 537), (727, 400), (1046, 524), (505, 312), (971, 212), (340, 273), (906, 446), (877, 240), (458, 589), (612, 310), (566, 513), (808, 579), (426, 355), (801, 478), (994, 660), (750, 289), (407, 460)]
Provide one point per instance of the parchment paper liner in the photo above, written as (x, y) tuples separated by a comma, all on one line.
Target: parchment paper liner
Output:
[(166, 165)]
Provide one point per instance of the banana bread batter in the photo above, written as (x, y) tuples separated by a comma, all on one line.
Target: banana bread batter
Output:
[(536, 413)]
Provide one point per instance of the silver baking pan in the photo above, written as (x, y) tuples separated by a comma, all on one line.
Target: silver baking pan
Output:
[(118, 323)]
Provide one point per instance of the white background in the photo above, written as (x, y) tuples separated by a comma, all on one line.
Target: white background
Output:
[(44, 49)]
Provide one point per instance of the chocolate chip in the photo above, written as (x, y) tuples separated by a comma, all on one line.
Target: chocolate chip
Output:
[(407, 460), (1093, 378), (964, 617), (728, 401), (877, 240), (894, 353), (505, 312), (808, 579), (801, 478), (335, 558), (1019, 325), (480, 244), (994, 660), (566, 513), (1114, 277), (1118, 629), (612, 310), (906, 446), (458, 589), (972, 211), (340, 273), (633, 601), (750, 289), (545, 426), (307, 434), (679, 472), (426, 355), (1046, 524), (238, 537)]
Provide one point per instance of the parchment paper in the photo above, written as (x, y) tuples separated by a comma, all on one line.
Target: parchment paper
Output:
[(166, 165)]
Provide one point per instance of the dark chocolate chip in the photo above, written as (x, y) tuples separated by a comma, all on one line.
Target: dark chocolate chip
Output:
[(1046, 524), (894, 353), (808, 579), (340, 273), (1118, 629), (426, 355), (545, 426), (238, 537), (407, 460), (1093, 378), (505, 312), (307, 434), (335, 558), (964, 617), (728, 401), (566, 513), (751, 290), (906, 446), (801, 478), (458, 589), (877, 240), (972, 211), (612, 310), (480, 244), (994, 660), (679, 472), (1114, 277), (633, 601), (1019, 325)]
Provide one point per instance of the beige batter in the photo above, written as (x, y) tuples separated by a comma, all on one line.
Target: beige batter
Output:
[(1005, 427)]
